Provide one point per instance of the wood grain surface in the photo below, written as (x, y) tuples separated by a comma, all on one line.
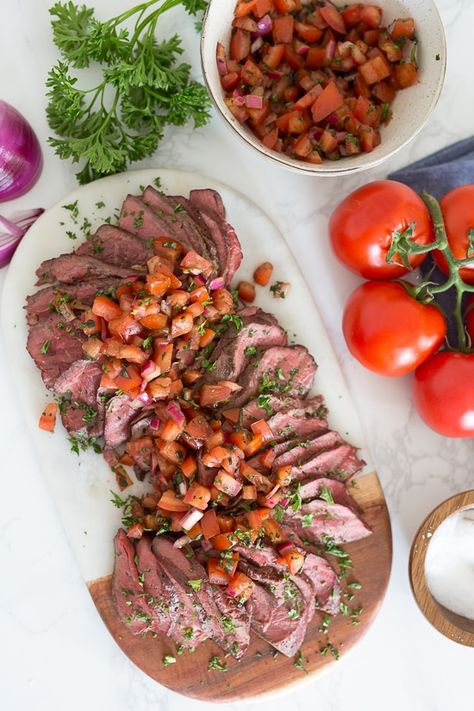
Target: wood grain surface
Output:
[(458, 628), (260, 673)]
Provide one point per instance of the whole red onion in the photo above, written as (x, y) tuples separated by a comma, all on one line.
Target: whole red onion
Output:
[(20, 154)]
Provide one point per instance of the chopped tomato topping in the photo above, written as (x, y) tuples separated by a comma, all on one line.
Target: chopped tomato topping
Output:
[(47, 421)]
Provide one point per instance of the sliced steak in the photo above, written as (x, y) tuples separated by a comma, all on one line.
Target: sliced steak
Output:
[(131, 605), (160, 595), (295, 423), (235, 620), (40, 304), (270, 605), (53, 347), (288, 368), (79, 385), (227, 244), (325, 583), (119, 415), (300, 450), (190, 219), (70, 268), (312, 488), (328, 520), (234, 357), (116, 246), (273, 404), (252, 319), (208, 199), (185, 569), (341, 462)]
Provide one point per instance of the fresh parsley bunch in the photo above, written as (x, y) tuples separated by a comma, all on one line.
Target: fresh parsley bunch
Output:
[(143, 86)]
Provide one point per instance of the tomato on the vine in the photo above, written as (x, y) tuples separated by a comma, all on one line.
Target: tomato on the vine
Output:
[(389, 331), (362, 225), (458, 213), (443, 393)]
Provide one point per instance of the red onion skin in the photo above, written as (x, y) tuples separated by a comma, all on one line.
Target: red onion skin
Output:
[(21, 160)]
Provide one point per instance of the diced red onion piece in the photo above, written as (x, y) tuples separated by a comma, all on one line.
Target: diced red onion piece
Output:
[(283, 502), (221, 60), (302, 50), (154, 423), (275, 74), (181, 542), (144, 398), (199, 279), (331, 50), (256, 44), (182, 487), (175, 412), (12, 230), (218, 282), (239, 98), (254, 102), (285, 547), (190, 519), (206, 545), (264, 25)]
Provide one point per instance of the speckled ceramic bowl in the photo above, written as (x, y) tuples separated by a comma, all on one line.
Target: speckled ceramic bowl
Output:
[(411, 108)]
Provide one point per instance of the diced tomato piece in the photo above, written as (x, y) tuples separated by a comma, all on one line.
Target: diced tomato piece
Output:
[(252, 74), (296, 61), (316, 58), (239, 112), (217, 574), (271, 138), (240, 45), (366, 112), (222, 542), (384, 92), (173, 452), (154, 322), (249, 492), (194, 263), (295, 561), (263, 273), (303, 146), (351, 15), (308, 33), (133, 354), (267, 458), (273, 530), (262, 427), (334, 18), (245, 23), (106, 308), (246, 291), (374, 70), (262, 7), (158, 284), (309, 98), (299, 122), (405, 75), (283, 475), (163, 356), (244, 7), (227, 483), (128, 379), (198, 496), (240, 587), (229, 81), (258, 116), (371, 15), (256, 517), (223, 301), (182, 323), (330, 100), (283, 6), (171, 431), (328, 142), (367, 139), (210, 524), (92, 323), (47, 420), (274, 55), (254, 477), (94, 347), (283, 28), (403, 29), (125, 327), (159, 388), (253, 445), (170, 502), (392, 51)]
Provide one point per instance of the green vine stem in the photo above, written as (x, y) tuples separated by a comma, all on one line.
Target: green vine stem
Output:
[(403, 246)]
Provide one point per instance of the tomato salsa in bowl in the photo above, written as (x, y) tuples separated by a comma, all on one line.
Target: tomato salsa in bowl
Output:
[(324, 88)]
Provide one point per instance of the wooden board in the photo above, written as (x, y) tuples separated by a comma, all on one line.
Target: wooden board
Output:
[(260, 674)]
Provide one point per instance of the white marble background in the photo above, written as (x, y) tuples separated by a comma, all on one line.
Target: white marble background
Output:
[(54, 651)]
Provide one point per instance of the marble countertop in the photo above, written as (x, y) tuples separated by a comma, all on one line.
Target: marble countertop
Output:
[(55, 651)]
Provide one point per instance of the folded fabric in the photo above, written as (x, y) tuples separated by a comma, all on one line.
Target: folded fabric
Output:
[(437, 174), (442, 171)]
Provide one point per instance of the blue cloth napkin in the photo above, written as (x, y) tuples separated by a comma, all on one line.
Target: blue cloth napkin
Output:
[(438, 174)]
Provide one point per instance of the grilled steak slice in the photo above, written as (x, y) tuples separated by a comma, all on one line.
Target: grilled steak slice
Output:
[(226, 241), (132, 607), (40, 304), (119, 414), (234, 357), (70, 268), (253, 319), (186, 569), (285, 368), (79, 384), (270, 606), (325, 584), (160, 595), (328, 520), (312, 489), (116, 246), (189, 218), (207, 199), (300, 450), (53, 348), (341, 462), (235, 620), (268, 405)]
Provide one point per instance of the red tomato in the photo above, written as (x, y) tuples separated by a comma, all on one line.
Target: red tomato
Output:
[(443, 393), (388, 331), (362, 225), (458, 212)]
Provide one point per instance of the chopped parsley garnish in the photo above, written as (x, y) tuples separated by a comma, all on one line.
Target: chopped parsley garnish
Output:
[(307, 520), (326, 495), (168, 659), (354, 586), (295, 498), (71, 234), (344, 609), (278, 513), (330, 648), (216, 664), (278, 289), (138, 220), (100, 204), (73, 208), (45, 347), (147, 342), (325, 622), (250, 351), (188, 633), (195, 584), (227, 623), (293, 614), (299, 662), (263, 401), (157, 182), (233, 319)]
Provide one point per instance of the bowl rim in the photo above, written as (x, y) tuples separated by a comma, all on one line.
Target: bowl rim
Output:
[(430, 608), (329, 170)]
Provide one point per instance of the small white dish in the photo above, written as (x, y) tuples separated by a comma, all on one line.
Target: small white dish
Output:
[(411, 109)]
